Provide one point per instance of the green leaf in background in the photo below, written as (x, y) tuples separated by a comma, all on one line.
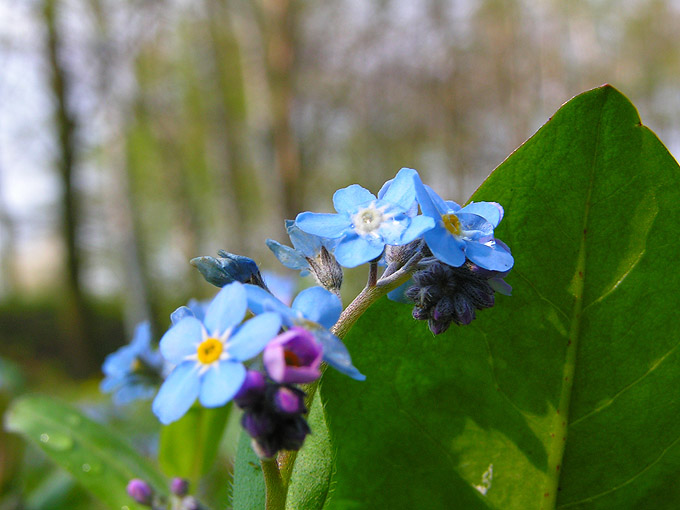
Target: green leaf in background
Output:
[(188, 447), (248, 490), (564, 395), (92, 453)]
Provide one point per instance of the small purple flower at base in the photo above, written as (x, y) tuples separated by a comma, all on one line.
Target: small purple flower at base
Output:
[(251, 390), (293, 357), (140, 491), (289, 401), (179, 486), (273, 417)]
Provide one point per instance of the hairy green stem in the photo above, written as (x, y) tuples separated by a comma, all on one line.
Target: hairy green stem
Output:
[(275, 488), (374, 290)]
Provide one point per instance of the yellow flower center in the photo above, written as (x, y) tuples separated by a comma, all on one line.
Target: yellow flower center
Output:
[(209, 350), (452, 224)]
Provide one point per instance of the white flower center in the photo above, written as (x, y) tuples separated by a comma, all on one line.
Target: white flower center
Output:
[(366, 221)]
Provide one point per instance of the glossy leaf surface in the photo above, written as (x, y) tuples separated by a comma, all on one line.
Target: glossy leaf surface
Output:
[(561, 396), (101, 461)]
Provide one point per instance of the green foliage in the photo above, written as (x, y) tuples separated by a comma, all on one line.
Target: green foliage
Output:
[(248, 489), (92, 453), (189, 446), (561, 396)]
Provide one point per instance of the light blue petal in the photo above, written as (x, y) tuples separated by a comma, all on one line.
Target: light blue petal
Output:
[(227, 309), (141, 340), (392, 231), (445, 247), (249, 340), (399, 294), (402, 190), (425, 200), (453, 206), (336, 355), (384, 188), (261, 301), (221, 382), (181, 313), (181, 340), (500, 286), (289, 257), (490, 211), (477, 224), (307, 244), (442, 206), (418, 226), (349, 199), (354, 250), (319, 305), (494, 258), (323, 224), (130, 392), (178, 393)]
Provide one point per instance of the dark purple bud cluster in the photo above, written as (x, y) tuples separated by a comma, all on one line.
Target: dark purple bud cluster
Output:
[(273, 414), (444, 294)]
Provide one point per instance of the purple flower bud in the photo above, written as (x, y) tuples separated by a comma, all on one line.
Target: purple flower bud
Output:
[(140, 491), (251, 390), (289, 402), (179, 486), (257, 424), (293, 357)]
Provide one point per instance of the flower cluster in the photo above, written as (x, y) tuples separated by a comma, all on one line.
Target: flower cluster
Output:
[(246, 345)]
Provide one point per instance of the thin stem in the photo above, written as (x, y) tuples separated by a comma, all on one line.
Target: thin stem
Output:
[(372, 274), (275, 488), (374, 290)]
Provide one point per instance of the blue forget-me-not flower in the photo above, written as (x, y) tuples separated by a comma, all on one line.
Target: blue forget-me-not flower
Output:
[(461, 232), (133, 371), (316, 310), (208, 353), (364, 224)]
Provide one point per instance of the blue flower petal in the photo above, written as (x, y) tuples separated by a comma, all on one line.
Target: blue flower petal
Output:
[(354, 250), (419, 225), (474, 223), (307, 244), (322, 224), (289, 257), (402, 191), (399, 294), (349, 199), (336, 355), (221, 382), (260, 301), (181, 339), (490, 211), (494, 257), (319, 305), (226, 309), (445, 247), (178, 393), (249, 340), (181, 313)]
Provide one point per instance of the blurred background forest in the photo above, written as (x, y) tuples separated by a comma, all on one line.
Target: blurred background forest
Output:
[(138, 134)]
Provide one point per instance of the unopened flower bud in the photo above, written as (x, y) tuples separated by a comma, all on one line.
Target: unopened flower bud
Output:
[(140, 491), (252, 390), (179, 486), (326, 270), (228, 268)]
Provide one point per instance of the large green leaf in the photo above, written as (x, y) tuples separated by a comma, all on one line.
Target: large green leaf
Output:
[(561, 396), (188, 446), (101, 461)]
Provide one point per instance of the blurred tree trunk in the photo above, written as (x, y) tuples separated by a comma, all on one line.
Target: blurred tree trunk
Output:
[(237, 177), (279, 20), (7, 272), (137, 296), (76, 317)]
